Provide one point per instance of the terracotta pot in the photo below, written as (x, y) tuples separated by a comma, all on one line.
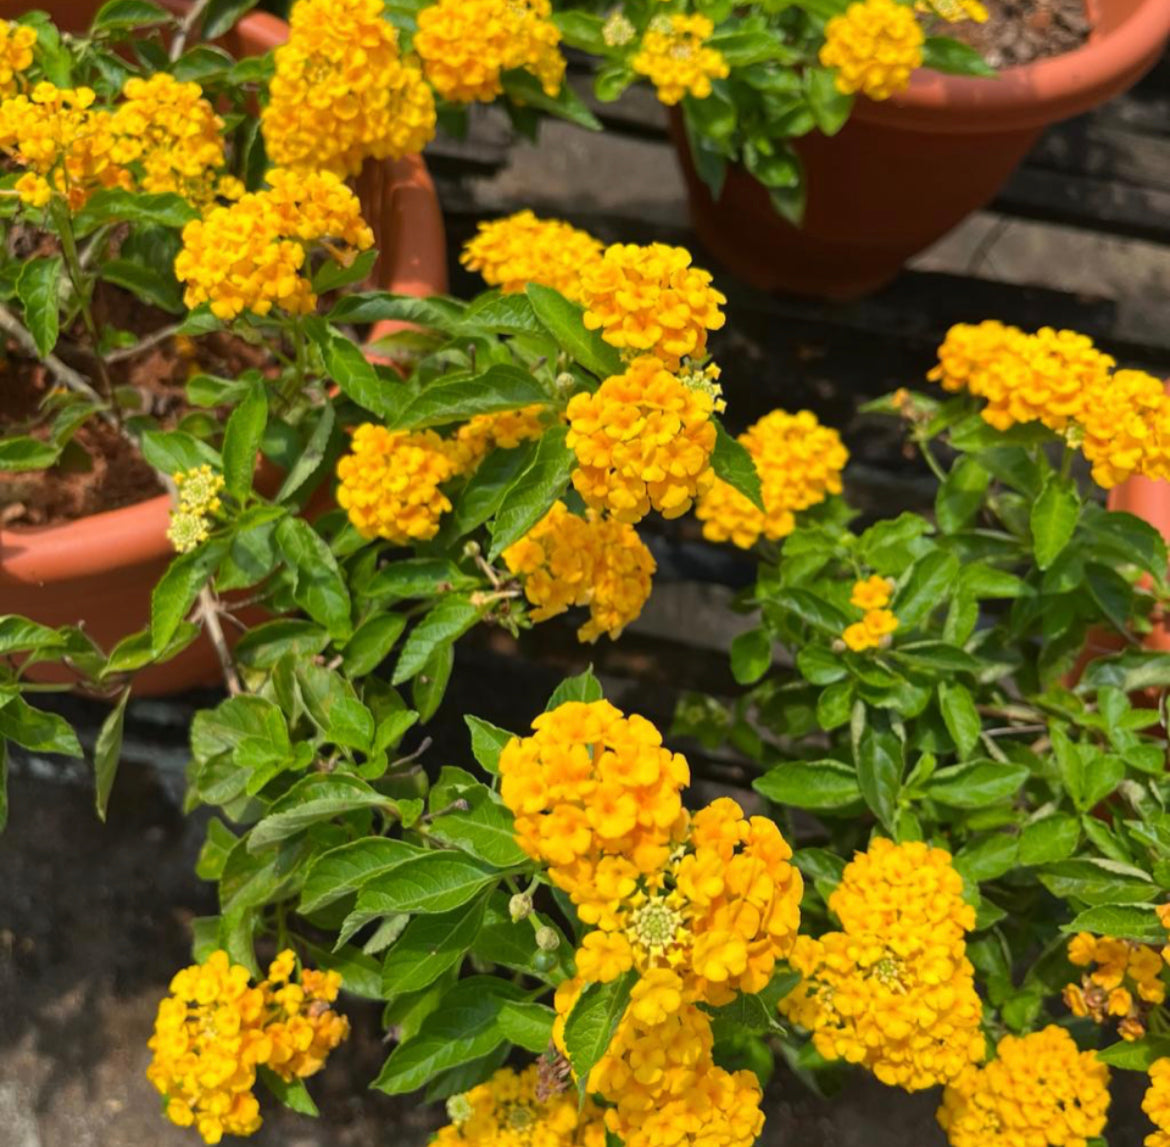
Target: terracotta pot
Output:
[(98, 572), (903, 172)]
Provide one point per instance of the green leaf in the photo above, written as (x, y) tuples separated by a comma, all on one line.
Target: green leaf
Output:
[(1050, 839), (583, 30), (441, 314), (202, 63), (371, 643), (1136, 1055), (818, 785), (319, 588), (263, 646), (960, 715), (310, 459), (751, 656), (988, 859), (116, 205), (313, 799), (879, 772), (173, 450), (241, 441), (107, 752), (154, 285), (446, 622), (431, 883), (462, 1028), (38, 287), (495, 313), (430, 683), (36, 730), (176, 591), (961, 496), (349, 368), (528, 1025), (293, 1094), (1138, 922), (349, 868), (926, 588), (18, 635), (566, 323), (734, 465), (830, 106), (591, 1024), (23, 452), (500, 387), (812, 609), (487, 742), (485, 830), (891, 546), (976, 784), (583, 687), (532, 494), (942, 54), (332, 275), (1096, 881), (429, 946), (222, 15), (129, 14), (526, 90), (1053, 519)]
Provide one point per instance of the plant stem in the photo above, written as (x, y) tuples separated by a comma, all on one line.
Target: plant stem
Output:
[(82, 289), (64, 374), (186, 26), (209, 614), (931, 460), (144, 343)]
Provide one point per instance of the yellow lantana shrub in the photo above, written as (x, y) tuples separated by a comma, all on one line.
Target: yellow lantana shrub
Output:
[(466, 45), (342, 92), (894, 990), (643, 441), (510, 253), (505, 429), (676, 60), (566, 561), (215, 1029), (799, 462), (1038, 1090), (650, 300), (874, 45)]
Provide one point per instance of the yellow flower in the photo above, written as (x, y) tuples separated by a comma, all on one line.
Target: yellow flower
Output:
[(871, 632), (171, 136), (249, 256), (510, 253), (1156, 1104), (199, 490), (513, 1110), (1039, 1090), (341, 92), (894, 991), (61, 138), (643, 441), (677, 61), (1121, 423), (465, 45), (1125, 982), (872, 593), (390, 483), (799, 462), (595, 797), (485, 432), (214, 1030), (16, 54), (874, 46), (593, 561), (650, 300)]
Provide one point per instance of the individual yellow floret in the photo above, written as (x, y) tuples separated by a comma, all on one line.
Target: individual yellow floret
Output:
[(16, 54), (390, 483), (874, 45), (674, 56), (1038, 1090), (466, 45), (872, 631)]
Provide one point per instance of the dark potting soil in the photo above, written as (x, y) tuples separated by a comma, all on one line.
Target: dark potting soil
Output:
[(1020, 31), (101, 470)]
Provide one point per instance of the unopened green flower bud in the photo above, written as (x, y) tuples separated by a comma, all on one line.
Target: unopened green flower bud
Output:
[(547, 939), (520, 907), (459, 1109)]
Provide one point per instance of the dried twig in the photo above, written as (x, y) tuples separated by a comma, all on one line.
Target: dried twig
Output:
[(144, 343), (64, 374)]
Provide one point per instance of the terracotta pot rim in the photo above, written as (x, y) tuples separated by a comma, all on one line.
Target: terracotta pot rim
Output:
[(1035, 94), (105, 542)]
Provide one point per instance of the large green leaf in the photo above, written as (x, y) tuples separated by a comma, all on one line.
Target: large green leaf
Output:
[(38, 287), (817, 785), (447, 621), (591, 1024), (1054, 519), (313, 799), (319, 589), (976, 784), (349, 868), (485, 829), (241, 441), (500, 387), (429, 946), (107, 752), (1138, 922), (565, 321), (431, 883), (532, 494)]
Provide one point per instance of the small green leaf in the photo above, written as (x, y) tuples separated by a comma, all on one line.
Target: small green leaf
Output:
[(528, 1024), (751, 656), (821, 786), (942, 54), (37, 730), (116, 205), (350, 867), (734, 465), (484, 830), (312, 456), (129, 14), (23, 452), (319, 589), (583, 687), (487, 742), (879, 772), (976, 784), (960, 715), (292, 1093), (431, 883), (1054, 519), (1138, 922), (241, 441), (313, 799), (1049, 839), (38, 287), (961, 496), (221, 16), (107, 752), (533, 492), (500, 387), (591, 1024), (429, 946), (565, 321), (371, 643), (447, 621), (1136, 1055)]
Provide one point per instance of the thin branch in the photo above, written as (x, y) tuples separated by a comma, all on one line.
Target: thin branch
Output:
[(144, 343), (64, 374), (186, 26), (209, 613)]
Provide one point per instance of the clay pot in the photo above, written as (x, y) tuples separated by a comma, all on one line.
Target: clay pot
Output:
[(903, 172), (98, 572)]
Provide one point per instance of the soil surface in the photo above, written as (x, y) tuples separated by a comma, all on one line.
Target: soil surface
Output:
[(1018, 32)]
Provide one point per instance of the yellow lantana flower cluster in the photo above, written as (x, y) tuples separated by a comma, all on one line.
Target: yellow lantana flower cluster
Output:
[(591, 787), (894, 990), (1039, 1090), (510, 1110), (874, 45), (505, 429), (66, 143), (465, 45), (171, 133), (643, 440), (874, 630), (566, 561), (390, 483), (1156, 1104), (199, 491), (675, 57), (650, 300), (214, 1030), (663, 1084), (1119, 419), (799, 462), (1125, 983), (341, 91), (16, 54), (248, 256), (510, 253)]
